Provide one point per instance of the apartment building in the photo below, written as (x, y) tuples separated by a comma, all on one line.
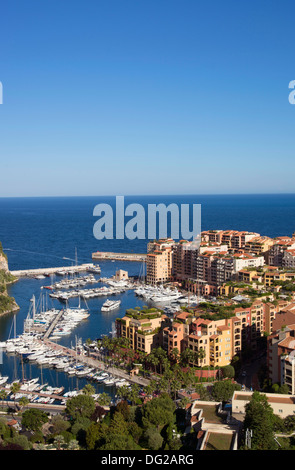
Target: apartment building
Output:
[(182, 260), (277, 251), (281, 356), (234, 239), (213, 338), (269, 277), (247, 326), (175, 335), (143, 334), (249, 276), (208, 267), (288, 258), (159, 261), (245, 260), (212, 268), (259, 245)]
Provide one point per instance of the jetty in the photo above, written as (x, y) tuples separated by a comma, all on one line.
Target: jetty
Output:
[(62, 270), (94, 361), (108, 255)]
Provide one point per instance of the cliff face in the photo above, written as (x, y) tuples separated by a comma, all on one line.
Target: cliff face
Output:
[(3, 262), (7, 303)]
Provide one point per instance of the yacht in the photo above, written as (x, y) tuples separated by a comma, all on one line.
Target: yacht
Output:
[(83, 371), (110, 305), (121, 382), (109, 381), (3, 379), (101, 377)]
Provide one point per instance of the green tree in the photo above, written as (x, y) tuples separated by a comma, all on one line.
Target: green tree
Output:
[(59, 424), (4, 430), (123, 408), (88, 390), (104, 399), (259, 418), (153, 438), (228, 371), (21, 441), (80, 405), (93, 434), (223, 390), (33, 419), (158, 412)]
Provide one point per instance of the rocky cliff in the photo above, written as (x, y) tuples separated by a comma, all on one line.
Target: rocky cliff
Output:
[(7, 303), (3, 260)]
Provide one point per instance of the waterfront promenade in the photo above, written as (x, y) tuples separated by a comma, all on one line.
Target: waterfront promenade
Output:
[(95, 362)]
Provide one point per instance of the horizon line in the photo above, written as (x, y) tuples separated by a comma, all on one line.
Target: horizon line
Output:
[(148, 195)]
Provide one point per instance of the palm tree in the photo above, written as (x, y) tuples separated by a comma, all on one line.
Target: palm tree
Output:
[(153, 361), (88, 389), (3, 395), (186, 357), (73, 445), (15, 388), (59, 441), (23, 402), (151, 387), (174, 354), (202, 355)]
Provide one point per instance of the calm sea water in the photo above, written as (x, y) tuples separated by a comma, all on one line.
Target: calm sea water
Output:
[(41, 232)]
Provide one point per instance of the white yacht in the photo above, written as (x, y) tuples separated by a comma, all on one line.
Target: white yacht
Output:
[(109, 381), (3, 379), (110, 305)]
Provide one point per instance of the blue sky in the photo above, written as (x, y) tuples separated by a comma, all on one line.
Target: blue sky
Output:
[(118, 97)]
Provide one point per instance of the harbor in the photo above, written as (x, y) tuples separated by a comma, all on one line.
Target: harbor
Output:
[(51, 335), (50, 338), (80, 362)]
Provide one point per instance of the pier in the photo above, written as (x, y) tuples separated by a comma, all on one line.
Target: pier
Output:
[(53, 325), (48, 271), (95, 362), (108, 255)]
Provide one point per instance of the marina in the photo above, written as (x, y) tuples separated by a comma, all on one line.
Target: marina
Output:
[(30, 348), (49, 339)]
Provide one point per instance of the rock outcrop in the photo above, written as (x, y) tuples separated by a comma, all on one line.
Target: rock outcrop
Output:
[(3, 260), (7, 303)]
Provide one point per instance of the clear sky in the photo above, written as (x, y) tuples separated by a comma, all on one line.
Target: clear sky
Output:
[(118, 97)]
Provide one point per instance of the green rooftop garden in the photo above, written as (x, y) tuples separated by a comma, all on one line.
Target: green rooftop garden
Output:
[(143, 313)]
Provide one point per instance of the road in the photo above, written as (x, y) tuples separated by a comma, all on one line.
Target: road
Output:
[(250, 381)]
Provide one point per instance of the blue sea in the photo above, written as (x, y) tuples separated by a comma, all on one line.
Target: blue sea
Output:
[(47, 232)]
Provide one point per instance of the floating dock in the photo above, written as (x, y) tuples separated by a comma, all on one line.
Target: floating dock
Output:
[(48, 271), (108, 255)]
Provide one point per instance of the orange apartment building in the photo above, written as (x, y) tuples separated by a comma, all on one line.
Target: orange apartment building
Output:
[(234, 239), (143, 334), (214, 339), (159, 261)]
